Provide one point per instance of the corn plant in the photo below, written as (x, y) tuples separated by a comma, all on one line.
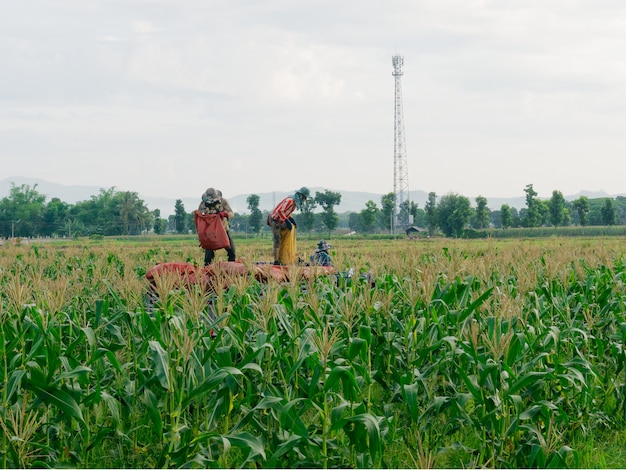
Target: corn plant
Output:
[(450, 354)]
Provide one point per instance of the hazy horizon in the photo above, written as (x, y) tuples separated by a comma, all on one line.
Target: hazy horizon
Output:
[(354, 202)]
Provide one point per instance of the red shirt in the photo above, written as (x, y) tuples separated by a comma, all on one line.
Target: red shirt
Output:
[(284, 209)]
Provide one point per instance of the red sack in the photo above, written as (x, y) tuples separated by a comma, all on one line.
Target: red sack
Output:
[(210, 231)]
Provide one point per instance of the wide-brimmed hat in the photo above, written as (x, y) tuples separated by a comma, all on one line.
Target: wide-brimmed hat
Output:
[(323, 245), (304, 191), (211, 195)]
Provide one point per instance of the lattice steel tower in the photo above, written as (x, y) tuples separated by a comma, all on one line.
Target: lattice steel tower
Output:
[(400, 170)]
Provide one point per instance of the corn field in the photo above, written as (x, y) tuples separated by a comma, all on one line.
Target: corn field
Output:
[(433, 353)]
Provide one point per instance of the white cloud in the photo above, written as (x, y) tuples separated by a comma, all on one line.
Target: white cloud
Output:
[(278, 94), (143, 27)]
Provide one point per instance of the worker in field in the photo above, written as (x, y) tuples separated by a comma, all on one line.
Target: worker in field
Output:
[(213, 203), (321, 257), (283, 227)]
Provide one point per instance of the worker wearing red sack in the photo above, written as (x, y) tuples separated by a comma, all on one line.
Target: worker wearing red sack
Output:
[(280, 218), (214, 203)]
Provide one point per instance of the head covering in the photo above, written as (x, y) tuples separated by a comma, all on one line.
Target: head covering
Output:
[(211, 195), (300, 195), (323, 245)]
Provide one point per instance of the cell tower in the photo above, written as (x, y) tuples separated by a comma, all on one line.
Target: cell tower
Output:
[(400, 170)]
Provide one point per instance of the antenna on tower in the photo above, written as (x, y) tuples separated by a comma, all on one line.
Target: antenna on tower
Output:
[(400, 171)]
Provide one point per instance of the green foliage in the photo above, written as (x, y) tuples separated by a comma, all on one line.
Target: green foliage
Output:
[(582, 208), (543, 232), (180, 217), (432, 219), (481, 216), (354, 222), (159, 223), (506, 216), (368, 217), (559, 213), (596, 207), (608, 212), (306, 219), (453, 214), (133, 215), (109, 213), (328, 200), (255, 220), (431, 367), (533, 215), (386, 213), (54, 217), (21, 213), (24, 213)]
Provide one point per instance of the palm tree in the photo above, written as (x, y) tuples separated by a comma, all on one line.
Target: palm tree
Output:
[(134, 215)]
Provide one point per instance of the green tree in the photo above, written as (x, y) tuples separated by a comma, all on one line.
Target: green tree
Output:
[(431, 213), (85, 215), (533, 217), (180, 217), (386, 212), (517, 218), (54, 216), (581, 206), (506, 217), (159, 223), (544, 212), (111, 213), (328, 200), (419, 219), (21, 212), (453, 214), (239, 223), (481, 214), (354, 222), (171, 223), (557, 209), (255, 221), (74, 227), (608, 212), (131, 212), (97, 215), (368, 216), (567, 215), (307, 216)]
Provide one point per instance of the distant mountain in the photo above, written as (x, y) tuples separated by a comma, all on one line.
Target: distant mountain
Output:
[(69, 194), (351, 201)]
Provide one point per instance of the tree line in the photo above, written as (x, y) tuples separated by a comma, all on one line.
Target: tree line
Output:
[(307, 219), (452, 214), (25, 213)]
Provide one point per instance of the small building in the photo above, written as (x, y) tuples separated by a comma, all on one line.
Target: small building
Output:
[(413, 231)]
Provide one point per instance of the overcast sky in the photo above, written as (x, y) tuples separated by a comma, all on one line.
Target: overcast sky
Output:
[(168, 97)]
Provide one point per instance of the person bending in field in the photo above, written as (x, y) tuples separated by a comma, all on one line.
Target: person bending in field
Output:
[(214, 203), (281, 222), (321, 257)]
